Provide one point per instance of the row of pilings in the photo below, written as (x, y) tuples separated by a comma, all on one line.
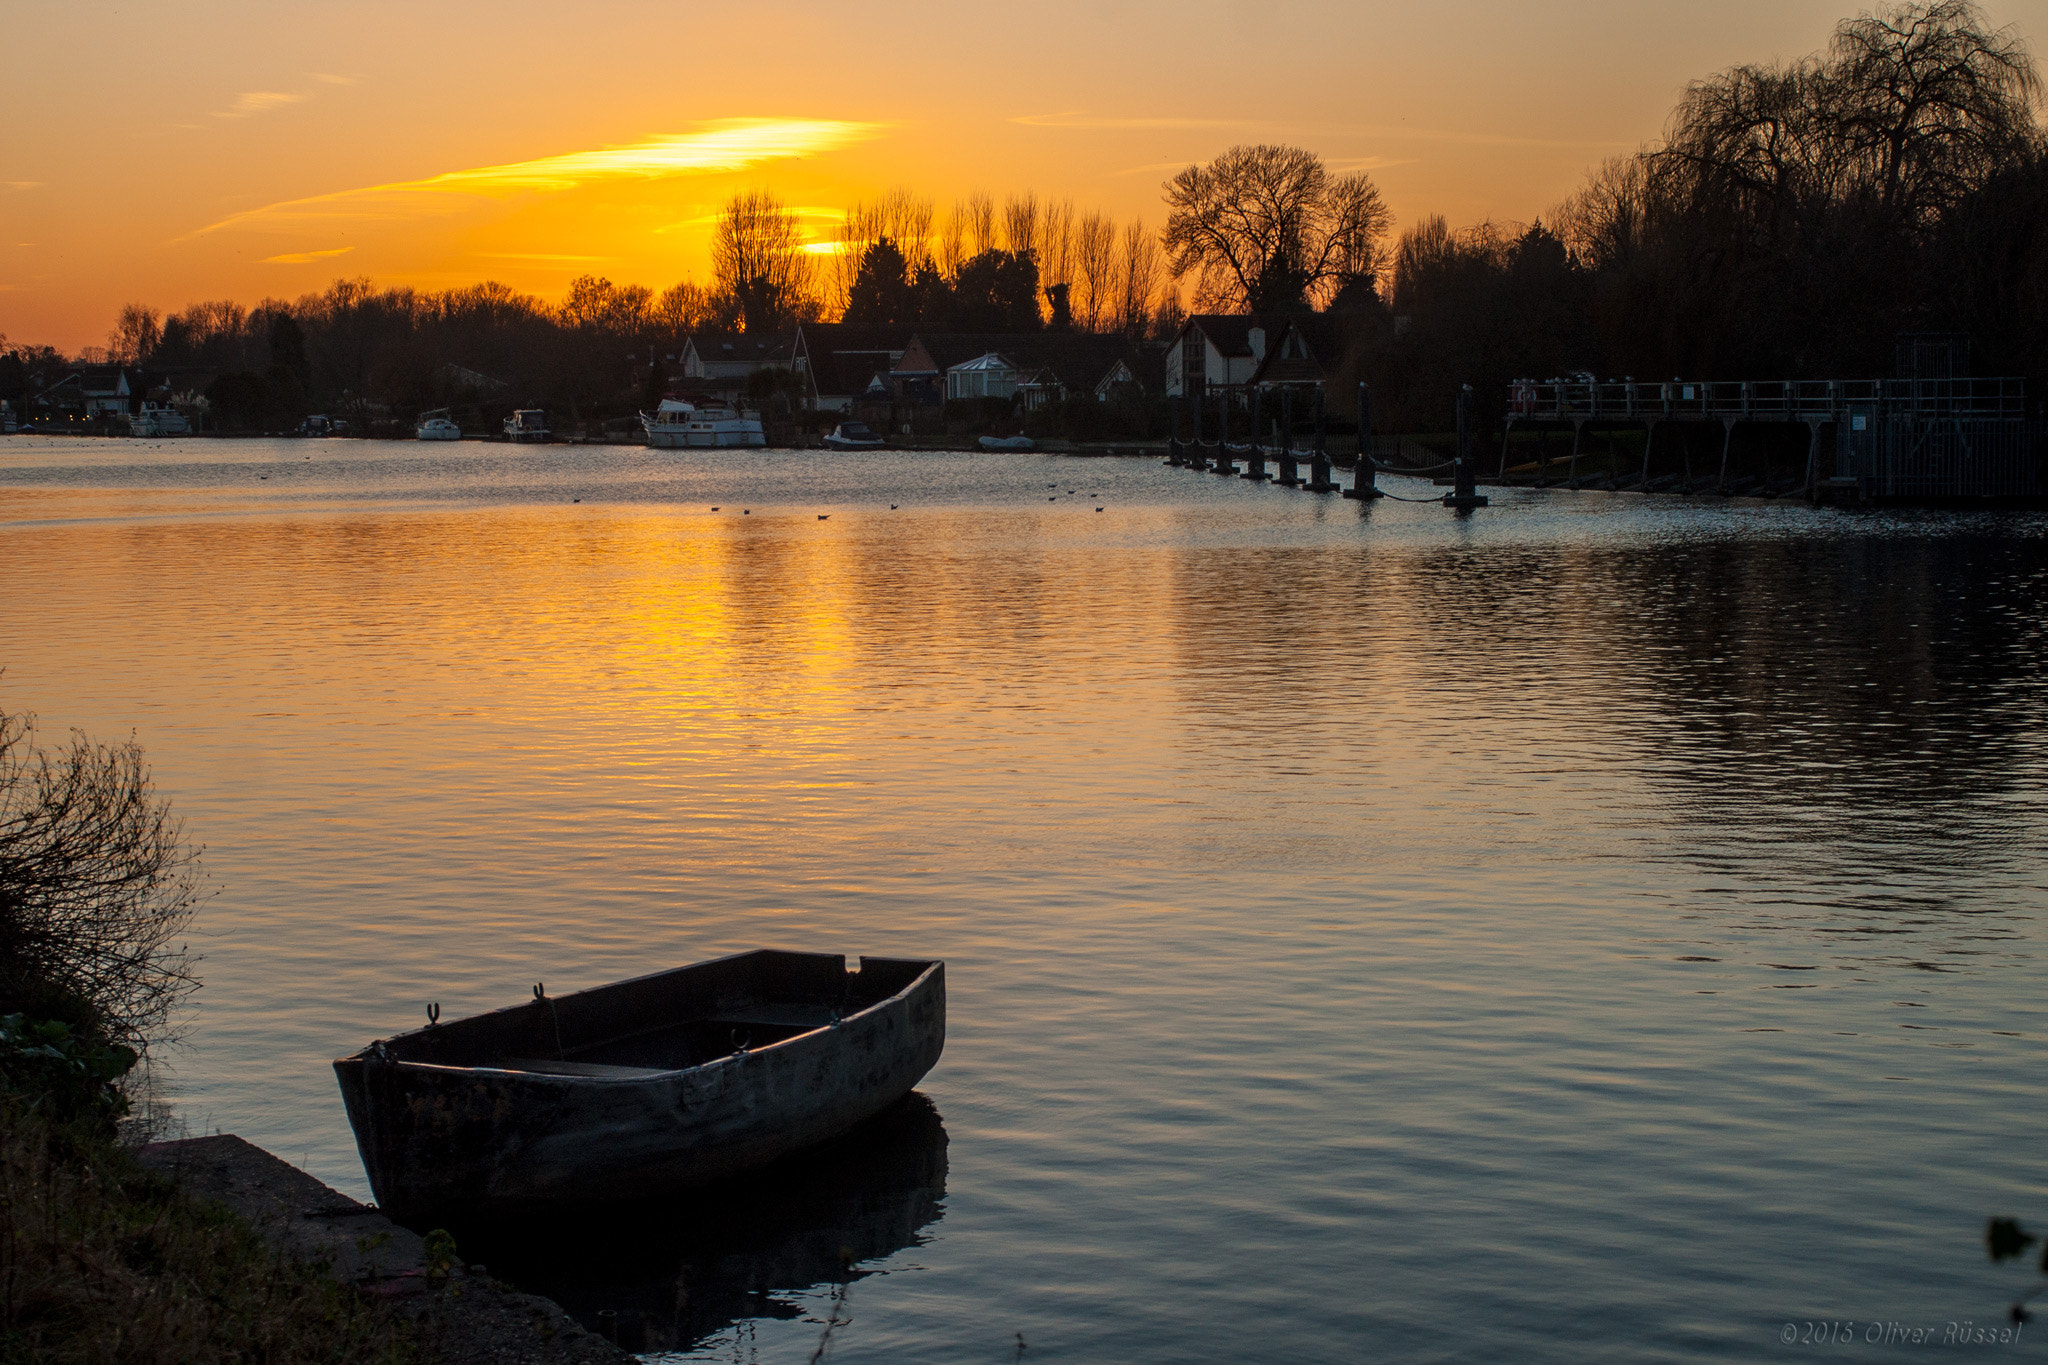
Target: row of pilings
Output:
[(1222, 456)]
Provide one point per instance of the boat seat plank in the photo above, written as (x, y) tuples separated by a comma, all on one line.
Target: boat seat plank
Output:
[(549, 1067), (779, 1015)]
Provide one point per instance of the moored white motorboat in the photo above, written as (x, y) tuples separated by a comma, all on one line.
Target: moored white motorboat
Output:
[(527, 424), (1006, 443), (675, 424), (437, 426), (158, 419), (853, 436)]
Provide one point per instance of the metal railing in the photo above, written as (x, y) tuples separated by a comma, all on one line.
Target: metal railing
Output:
[(1763, 400)]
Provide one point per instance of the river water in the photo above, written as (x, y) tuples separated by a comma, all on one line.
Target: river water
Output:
[(1598, 927)]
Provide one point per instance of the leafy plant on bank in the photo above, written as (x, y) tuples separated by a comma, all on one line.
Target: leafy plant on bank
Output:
[(96, 888)]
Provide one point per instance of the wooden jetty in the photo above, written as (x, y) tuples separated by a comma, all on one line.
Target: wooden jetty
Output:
[(1932, 434)]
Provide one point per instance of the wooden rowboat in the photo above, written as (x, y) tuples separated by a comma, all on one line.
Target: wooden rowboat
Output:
[(639, 1089)]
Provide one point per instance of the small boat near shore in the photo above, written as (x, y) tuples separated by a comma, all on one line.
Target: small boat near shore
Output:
[(675, 424), (641, 1088), (1006, 443), (437, 425), (527, 425), (853, 436)]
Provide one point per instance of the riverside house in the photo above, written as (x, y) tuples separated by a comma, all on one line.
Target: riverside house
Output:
[(840, 365)]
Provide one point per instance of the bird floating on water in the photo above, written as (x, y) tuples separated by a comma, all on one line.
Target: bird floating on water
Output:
[(892, 507), (823, 515), (714, 509)]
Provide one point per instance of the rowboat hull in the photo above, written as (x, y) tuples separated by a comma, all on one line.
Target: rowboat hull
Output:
[(496, 1114)]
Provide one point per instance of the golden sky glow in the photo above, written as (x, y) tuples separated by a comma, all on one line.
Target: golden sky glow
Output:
[(229, 148)]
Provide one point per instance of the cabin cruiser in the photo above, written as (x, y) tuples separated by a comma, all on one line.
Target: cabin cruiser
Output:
[(853, 436), (676, 423), (158, 419), (320, 424), (527, 424), (437, 426)]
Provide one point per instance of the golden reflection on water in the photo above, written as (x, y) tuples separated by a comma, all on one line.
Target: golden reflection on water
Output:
[(1311, 878)]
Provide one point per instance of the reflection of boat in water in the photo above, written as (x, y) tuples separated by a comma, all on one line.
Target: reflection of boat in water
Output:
[(675, 424), (527, 424), (159, 419), (853, 436), (679, 1273), (641, 1088), (437, 425)]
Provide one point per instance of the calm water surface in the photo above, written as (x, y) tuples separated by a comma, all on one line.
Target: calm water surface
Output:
[(1601, 927)]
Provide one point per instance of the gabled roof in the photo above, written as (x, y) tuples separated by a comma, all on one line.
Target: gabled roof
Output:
[(1076, 359), (1229, 333), (818, 339), (1304, 348), (755, 348)]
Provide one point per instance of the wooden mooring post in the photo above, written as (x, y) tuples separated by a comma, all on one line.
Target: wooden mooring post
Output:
[(1173, 433), (1255, 462), (1364, 487), (1224, 463), (1319, 480), (1464, 494), (1290, 475)]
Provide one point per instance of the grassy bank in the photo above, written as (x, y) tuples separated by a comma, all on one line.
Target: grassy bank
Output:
[(102, 1261)]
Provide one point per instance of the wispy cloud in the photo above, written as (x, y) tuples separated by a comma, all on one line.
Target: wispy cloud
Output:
[(20, 184), (307, 257), (260, 102), (1342, 164), (557, 257), (729, 145), (1077, 118), (326, 78)]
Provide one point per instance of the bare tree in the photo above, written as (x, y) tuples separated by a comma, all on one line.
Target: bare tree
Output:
[(683, 308), (1137, 274), (1269, 227), (96, 885), (135, 334), (979, 217), (901, 217), (1020, 223), (951, 248), (757, 256), (1095, 301), (1056, 243), (1929, 99)]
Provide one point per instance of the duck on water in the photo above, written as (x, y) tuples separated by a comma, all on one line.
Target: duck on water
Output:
[(642, 1088)]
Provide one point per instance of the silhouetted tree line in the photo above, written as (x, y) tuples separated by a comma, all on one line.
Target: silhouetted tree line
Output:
[(1794, 219)]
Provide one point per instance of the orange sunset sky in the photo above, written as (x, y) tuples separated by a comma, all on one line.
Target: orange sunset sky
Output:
[(165, 154)]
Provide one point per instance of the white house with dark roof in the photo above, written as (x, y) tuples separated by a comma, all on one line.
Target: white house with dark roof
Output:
[(1215, 350)]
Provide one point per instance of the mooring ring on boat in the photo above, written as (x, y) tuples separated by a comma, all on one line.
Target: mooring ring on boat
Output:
[(433, 1014), (740, 1039)]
